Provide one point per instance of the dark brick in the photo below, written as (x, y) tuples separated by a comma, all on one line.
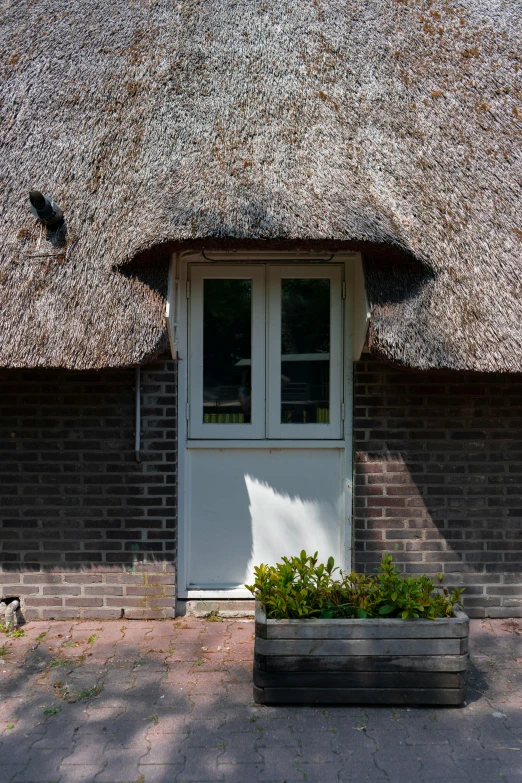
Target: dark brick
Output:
[(448, 445), (71, 489)]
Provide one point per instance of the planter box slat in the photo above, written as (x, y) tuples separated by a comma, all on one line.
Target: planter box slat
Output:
[(363, 663), (454, 627), (373, 661), (441, 696), (359, 679), (388, 646)]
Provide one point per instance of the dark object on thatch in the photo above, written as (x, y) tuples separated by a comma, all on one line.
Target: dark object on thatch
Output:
[(46, 210), (378, 124)]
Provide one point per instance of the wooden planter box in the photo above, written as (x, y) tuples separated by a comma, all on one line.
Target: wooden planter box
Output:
[(361, 661)]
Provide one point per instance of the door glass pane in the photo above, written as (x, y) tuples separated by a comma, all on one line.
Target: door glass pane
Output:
[(305, 351), (227, 351)]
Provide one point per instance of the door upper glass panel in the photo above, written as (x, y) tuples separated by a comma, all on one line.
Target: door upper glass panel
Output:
[(305, 351), (227, 351)]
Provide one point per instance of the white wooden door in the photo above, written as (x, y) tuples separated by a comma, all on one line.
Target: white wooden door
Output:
[(265, 462)]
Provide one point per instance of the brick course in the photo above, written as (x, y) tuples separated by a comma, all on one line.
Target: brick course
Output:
[(86, 531), (438, 469)]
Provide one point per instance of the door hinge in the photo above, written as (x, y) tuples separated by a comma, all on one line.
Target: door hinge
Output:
[(188, 289), (187, 411), (343, 289)]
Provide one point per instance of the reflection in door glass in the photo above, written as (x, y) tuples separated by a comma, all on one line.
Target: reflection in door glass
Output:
[(305, 351), (227, 351)]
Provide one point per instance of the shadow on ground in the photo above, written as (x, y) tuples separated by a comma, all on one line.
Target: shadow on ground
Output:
[(157, 702)]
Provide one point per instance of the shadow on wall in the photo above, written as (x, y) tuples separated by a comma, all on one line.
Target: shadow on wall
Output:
[(438, 479)]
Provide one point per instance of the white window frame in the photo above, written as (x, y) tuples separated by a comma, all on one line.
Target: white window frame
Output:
[(197, 427), (275, 428)]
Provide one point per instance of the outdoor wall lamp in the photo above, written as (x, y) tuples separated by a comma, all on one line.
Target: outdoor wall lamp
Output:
[(45, 210)]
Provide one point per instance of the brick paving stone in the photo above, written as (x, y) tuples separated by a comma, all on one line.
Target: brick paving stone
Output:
[(317, 749), (165, 749), (206, 682), (160, 773), (240, 773), (278, 735), (321, 773), (43, 765), (15, 750), (202, 765), (480, 770), (169, 724), (207, 707), (121, 765), (203, 733), (279, 767), (239, 749), (84, 773), (9, 772)]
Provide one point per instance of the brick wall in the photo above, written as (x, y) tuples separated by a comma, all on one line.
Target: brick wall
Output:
[(439, 479), (86, 531)]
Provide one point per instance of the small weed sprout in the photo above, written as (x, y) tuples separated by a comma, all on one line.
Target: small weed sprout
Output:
[(53, 711), (89, 693)]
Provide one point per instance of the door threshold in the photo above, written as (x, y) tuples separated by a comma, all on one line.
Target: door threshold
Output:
[(214, 607)]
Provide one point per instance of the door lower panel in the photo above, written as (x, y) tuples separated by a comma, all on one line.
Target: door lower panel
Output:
[(249, 506)]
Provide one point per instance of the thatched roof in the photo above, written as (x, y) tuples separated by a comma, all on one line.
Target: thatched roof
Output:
[(392, 123)]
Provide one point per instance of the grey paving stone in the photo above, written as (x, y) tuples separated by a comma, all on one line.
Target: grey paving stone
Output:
[(240, 749), (321, 773), (201, 765), (9, 772), (84, 773), (240, 773), (203, 734), (279, 766), (159, 773), (43, 765), (277, 734)]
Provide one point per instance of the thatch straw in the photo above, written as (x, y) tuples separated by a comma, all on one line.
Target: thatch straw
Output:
[(389, 122)]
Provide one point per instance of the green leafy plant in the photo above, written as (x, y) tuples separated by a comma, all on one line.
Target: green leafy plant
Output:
[(89, 693), (53, 711), (59, 662), (300, 587), (11, 632)]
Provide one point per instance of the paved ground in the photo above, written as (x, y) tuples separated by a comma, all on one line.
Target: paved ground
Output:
[(172, 701)]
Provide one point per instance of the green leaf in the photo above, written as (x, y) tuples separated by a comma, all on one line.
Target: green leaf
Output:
[(387, 609), (361, 614), (327, 614)]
